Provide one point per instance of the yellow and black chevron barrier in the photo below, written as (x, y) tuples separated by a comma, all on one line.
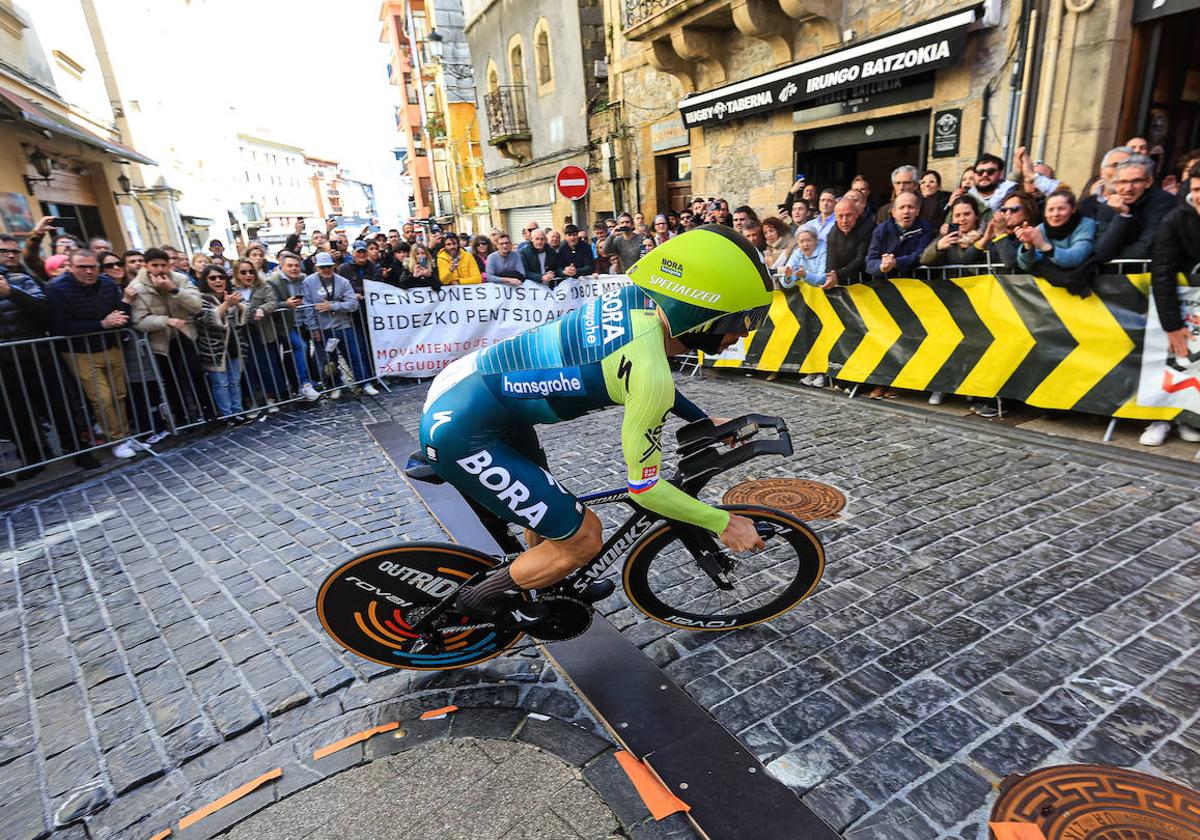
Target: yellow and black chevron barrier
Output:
[(1016, 337)]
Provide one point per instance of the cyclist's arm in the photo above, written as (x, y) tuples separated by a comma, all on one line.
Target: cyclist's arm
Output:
[(687, 410), (651, 398)]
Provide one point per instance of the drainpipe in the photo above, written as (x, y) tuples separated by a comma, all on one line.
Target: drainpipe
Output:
[(983, 122), (1046, 92), (1014, 85), (1031, 58)]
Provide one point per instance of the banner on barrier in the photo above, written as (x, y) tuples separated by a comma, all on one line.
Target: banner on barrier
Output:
[(1017, 337), (417, 332), (1167, 379)]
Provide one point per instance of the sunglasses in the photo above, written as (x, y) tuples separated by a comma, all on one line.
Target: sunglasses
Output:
[(10, 250), (246, 271), (1010, 209), (987, 171), (111, 265)]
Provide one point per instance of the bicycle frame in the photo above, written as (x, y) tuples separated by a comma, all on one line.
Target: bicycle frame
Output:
[(701, 461)]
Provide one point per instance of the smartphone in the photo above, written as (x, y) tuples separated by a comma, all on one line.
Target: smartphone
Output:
[(952, 227)]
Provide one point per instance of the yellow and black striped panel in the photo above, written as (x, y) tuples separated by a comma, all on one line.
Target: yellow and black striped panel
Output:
[(1017, 337)]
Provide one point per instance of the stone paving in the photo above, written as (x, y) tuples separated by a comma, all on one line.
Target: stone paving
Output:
[(453, 790), (989, 606)]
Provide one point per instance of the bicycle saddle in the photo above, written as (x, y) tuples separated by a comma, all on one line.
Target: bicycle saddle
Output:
[(418, 468)]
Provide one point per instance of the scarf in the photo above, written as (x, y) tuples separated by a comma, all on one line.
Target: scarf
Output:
[(1065, 230)]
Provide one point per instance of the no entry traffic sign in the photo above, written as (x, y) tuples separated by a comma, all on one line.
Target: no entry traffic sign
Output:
[(572, 182)]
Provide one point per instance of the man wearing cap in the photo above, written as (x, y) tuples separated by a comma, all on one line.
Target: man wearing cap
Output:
[(575, 255), (216, 252), (331, 320), (526, 233), (360, 268)]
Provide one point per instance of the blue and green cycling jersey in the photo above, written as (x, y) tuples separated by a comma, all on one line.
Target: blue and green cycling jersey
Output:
[(607, 352)]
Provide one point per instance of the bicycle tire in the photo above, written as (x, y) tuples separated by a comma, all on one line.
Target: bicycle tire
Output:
[(363, 605), (663, 580)]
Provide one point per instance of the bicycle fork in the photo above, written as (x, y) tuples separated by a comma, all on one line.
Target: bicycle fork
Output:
[(713, 559)]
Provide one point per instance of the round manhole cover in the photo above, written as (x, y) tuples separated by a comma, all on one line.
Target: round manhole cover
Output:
[(800, 497), (1088, 802)]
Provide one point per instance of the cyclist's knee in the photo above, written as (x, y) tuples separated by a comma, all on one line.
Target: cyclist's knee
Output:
[(584, 544), (590, 537)]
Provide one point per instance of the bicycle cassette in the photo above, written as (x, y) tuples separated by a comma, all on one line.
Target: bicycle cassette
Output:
[(569, 617)]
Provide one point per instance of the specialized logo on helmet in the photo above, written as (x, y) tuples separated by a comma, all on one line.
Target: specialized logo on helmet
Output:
[(671, 267), (682, 290)]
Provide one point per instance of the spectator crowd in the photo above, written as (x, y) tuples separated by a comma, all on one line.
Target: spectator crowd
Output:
[(225, 336)]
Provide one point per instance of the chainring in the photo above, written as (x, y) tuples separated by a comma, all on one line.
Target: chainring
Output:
[(569, 617)]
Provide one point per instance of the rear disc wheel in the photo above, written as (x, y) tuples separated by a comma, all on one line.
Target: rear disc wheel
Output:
[(369, 605)]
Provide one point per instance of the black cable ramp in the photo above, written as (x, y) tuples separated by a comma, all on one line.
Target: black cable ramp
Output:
[(730, 794)]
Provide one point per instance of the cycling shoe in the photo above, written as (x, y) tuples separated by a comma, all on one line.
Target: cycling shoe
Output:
[(597, 590)]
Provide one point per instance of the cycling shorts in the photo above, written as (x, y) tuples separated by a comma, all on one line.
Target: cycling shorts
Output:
[(486, 453)]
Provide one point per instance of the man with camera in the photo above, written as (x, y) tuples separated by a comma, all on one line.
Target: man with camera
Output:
[(623, 245)]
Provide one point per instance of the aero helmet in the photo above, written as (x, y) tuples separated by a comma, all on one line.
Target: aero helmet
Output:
[(708, 280)]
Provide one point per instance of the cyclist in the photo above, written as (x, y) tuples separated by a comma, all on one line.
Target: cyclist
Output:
[(701, 290)]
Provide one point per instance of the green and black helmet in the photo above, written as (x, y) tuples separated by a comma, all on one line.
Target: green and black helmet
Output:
[(708, 280)]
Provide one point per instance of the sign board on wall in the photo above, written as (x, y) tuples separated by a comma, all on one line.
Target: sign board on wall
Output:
[(907, 52), (947, 130)]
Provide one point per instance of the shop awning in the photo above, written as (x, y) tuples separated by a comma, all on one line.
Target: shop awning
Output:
[(1144, 10), (15, 106), (918, 49)]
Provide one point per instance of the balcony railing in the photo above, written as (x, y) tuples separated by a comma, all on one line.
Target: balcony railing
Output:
[(506, 114), (637, 11)]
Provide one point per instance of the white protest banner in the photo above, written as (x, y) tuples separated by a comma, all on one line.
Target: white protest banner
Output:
[(1168, 380), (417, 332)]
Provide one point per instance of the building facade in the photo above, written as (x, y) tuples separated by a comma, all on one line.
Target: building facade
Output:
[(61, 149), (542, 66), (736, 97), (437, 115)]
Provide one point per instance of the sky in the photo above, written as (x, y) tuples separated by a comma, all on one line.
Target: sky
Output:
[(308, 73)]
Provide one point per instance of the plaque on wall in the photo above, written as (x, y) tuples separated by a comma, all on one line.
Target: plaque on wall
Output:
[(947, 129)]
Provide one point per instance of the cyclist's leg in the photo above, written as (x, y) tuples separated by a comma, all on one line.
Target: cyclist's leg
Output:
[(477, 450), (526, 441)]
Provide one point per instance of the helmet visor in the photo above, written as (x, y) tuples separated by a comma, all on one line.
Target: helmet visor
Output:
[(736, 322)]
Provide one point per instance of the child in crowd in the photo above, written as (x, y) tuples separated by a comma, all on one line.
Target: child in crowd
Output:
[(807, 262)]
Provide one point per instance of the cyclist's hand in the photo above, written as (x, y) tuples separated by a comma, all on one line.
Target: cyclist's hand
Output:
[(728, 441), (739, 535)]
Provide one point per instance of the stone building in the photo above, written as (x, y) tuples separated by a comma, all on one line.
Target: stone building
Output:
[(432, 65), (735, 97), (61, 147), (542, 64)]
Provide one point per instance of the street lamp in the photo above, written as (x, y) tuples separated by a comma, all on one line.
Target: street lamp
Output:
[(43, 166)]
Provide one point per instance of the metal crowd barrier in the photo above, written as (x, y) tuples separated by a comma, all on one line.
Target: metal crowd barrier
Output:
[(62, 397), (66, 396), (990, 266)]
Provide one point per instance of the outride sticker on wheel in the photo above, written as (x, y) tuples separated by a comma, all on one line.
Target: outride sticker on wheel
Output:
[(377, 606)]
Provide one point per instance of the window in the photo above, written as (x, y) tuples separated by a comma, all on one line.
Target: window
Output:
[(493, 76), (516, 62), (541, 57)]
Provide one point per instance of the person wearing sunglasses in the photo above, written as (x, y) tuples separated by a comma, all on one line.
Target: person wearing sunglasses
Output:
[(220, 342), (991, 185), (112, 267), (1017, 211)]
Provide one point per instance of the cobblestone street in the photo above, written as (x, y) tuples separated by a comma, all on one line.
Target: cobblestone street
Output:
[(991, 604)]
